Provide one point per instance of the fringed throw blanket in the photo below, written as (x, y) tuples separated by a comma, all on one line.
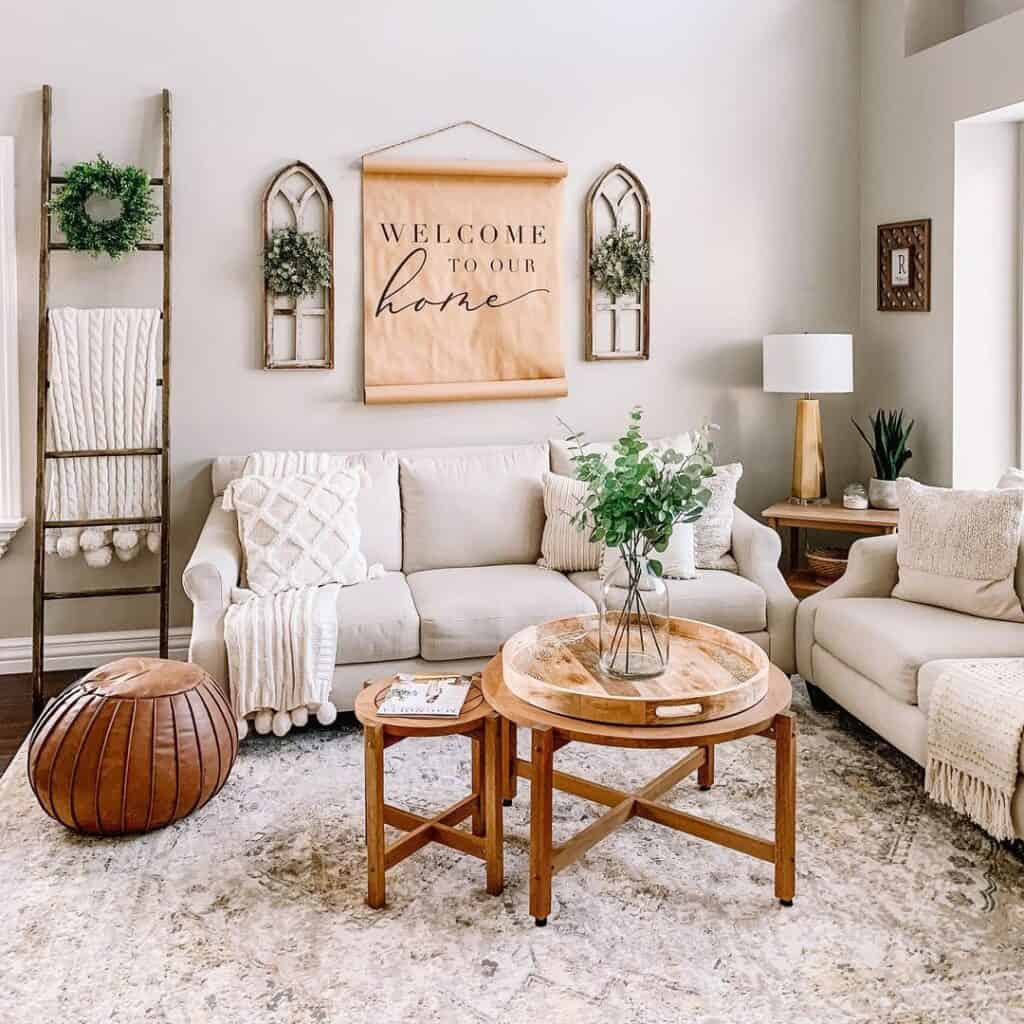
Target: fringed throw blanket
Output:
[(974, 737), (104, 365), (281, 653)]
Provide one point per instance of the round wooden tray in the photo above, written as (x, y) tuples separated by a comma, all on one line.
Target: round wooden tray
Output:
[(712, 673)]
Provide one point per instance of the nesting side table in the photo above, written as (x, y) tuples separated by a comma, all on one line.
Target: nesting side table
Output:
[(483, 805)]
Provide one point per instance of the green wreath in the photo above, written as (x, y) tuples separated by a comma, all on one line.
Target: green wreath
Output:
[(296, 263), (128, 185), (621, 263)]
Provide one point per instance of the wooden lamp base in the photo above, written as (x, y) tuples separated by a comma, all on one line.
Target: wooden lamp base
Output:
[(808, 455)]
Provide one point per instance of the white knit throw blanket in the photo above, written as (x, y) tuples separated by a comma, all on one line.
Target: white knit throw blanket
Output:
[(281, 654), (974, 735), (104, 364)]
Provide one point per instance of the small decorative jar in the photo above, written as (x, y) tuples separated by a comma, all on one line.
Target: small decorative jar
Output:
[(855, 496), (634, 620)]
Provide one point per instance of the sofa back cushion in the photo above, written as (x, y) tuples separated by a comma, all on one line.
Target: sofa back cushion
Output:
[(959, 549), (472, 506), (378, 507)]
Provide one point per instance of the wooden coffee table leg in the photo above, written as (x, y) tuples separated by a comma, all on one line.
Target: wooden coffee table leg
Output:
[(785, 807), (477, 783), (509, 756), (540, 824), (374, 768), (492, 798), (706, 772)]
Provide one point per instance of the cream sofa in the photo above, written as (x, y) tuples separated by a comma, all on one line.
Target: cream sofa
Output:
[(458, 532), (879, 658)]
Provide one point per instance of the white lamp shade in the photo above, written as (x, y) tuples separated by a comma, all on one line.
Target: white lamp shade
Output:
[(808, 363)]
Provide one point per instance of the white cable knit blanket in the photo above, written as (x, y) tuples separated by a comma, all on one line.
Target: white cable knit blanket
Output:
[(104, 364), (281, 653), (975, 725)]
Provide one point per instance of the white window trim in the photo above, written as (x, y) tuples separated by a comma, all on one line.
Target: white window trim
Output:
[(11, 513)]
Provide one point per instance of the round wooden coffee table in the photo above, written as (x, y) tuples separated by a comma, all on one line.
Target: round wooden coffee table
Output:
[(769, 718), (478, 722)]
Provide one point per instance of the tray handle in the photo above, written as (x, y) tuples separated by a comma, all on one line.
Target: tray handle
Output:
[(688, 709)]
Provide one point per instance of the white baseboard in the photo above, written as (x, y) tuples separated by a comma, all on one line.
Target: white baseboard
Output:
[(87, 650)]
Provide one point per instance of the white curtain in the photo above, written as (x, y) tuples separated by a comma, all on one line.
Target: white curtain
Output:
[(10, 444)]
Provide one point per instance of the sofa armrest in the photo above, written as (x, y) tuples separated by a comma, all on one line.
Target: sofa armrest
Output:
[(212, 572), (870, 572), (757, 549)]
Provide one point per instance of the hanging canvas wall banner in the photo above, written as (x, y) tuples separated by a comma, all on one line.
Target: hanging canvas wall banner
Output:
[(461, 277)]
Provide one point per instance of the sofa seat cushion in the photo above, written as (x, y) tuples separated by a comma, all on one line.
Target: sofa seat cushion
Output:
[(888, 640), (377, 621), (928, 676), (716, 596), (471, 612)]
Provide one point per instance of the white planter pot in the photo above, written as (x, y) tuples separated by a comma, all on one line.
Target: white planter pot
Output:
[(883, 493)]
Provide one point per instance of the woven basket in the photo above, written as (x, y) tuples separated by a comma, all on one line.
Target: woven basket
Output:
[(827, 564)]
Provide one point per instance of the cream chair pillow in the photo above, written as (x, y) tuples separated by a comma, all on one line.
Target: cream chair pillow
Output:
[(563, 546), (712, 533), (299, 530), (958, 549)]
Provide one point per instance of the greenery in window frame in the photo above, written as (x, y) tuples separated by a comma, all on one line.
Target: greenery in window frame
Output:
[(621, 263), (129, 186), (296, 263)]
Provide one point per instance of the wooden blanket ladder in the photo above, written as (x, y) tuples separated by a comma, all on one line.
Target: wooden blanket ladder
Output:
[(46, 246)]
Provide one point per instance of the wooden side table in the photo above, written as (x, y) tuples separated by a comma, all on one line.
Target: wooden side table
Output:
[(784, 515), (482, 725)]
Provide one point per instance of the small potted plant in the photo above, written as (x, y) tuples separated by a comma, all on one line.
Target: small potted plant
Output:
[(890, 454), (635, 497)]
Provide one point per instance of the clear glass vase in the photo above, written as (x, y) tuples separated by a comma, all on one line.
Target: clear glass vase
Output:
[(634, 619)]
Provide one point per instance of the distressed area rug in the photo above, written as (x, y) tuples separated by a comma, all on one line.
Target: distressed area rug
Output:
[(252, 910)]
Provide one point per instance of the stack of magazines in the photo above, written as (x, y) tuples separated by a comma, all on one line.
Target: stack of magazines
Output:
[(431, 696)]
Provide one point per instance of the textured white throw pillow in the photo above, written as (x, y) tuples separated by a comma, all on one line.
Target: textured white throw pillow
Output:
[(299, 530), (958, 549), (712, 533), (563, 546)]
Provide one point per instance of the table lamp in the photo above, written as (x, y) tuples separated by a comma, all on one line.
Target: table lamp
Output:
[(808, 364)]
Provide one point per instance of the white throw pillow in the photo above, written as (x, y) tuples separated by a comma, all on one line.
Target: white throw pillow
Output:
[(677, 560), (299, 530), (712, 533), (958, 549), (563, 546)]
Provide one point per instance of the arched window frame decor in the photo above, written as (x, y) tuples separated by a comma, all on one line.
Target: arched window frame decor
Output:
[(623, 214), (11, 517), (280, 306)]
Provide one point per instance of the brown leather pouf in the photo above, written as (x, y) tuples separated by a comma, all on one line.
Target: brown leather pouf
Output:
[(131, 747)]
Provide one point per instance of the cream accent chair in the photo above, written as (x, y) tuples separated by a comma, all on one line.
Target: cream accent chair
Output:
[(879, 658), (458, 531)]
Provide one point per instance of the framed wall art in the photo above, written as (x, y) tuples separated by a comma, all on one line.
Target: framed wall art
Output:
[(298, 294), (617, 326), (905, 266)]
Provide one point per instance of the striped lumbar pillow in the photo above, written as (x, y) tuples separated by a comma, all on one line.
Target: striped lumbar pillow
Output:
[(564, 547)]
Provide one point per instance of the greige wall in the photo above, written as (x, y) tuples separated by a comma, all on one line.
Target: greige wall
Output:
[(908, 112), (740, 115)]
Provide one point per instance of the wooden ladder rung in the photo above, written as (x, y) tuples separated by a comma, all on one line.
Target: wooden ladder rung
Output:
[(95, 453), (141, 247), (65, 595), (62, 524), (60, 180)]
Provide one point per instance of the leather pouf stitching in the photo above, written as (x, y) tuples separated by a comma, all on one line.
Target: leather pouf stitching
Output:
[(132, 747)]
